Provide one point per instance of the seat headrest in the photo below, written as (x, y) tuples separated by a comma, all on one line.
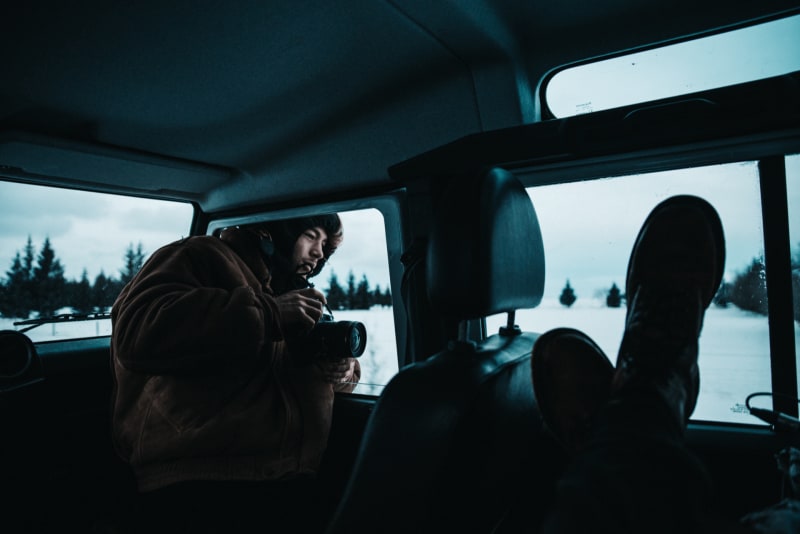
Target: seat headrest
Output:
[(485, 253)]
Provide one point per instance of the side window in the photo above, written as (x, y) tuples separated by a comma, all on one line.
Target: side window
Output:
[(66, 254), (586, 257), (793, 193), (356, 283)]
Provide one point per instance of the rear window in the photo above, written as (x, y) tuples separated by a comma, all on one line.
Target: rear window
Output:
[(66, 254), (742, 55)]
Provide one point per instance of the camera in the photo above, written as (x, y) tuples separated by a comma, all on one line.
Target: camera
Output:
[(332, 340)]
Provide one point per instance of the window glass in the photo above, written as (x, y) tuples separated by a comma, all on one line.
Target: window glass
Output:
[(793, 191), (587, 255), (360, 269), (738, 56), (356, 283), (66, 252)]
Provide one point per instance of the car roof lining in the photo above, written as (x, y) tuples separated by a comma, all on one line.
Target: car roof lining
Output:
[(232, 105)]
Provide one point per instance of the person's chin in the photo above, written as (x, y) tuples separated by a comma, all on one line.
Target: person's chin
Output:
[(305, 269)]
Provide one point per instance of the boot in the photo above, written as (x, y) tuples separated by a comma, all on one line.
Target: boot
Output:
[(674, 272), (571, 380)]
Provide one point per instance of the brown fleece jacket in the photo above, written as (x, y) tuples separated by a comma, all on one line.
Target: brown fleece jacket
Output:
[(205, 389)]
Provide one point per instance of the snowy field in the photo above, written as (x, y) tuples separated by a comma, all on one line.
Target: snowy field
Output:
[(734, 347), (734, 350)]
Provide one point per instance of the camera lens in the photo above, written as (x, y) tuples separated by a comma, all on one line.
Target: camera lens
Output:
[(358, 339), (333, 339)]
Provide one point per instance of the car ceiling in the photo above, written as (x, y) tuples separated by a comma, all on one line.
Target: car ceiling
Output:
[(231, 104)]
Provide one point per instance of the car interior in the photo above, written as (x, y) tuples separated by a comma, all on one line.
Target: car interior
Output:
[(443, 120)]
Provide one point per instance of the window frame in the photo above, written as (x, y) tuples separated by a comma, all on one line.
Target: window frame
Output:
[(30, 324), (389, 204), (770, 152), (545, 110)]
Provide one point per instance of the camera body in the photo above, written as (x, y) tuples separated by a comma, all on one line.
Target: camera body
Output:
[(331, 340)]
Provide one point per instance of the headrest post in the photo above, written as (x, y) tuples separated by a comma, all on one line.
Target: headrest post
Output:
[(510, 329)]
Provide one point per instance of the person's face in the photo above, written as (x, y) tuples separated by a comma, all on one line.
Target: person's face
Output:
[(308, 250)]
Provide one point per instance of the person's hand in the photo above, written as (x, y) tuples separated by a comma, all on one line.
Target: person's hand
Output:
[(338, 371), (301, 309)]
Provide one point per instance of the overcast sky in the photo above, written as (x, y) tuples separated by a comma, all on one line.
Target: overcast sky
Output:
[(589, 228), (92, 231), (86, 230)]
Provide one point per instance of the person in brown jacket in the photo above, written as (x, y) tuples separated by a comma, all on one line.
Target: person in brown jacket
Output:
[(222, 424)]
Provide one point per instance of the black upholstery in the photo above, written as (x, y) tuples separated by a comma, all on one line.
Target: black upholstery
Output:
[(485, 254), (452, 439)]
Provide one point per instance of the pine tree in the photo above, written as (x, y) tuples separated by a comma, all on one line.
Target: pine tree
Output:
[(100, 291), (380, 297), (351, 291), (614, 297), (363, 296), (336, 295), (17, 300), (387, 298), (134, 259), (48, 282), (81, 294), (27, 262), (567, 297), (4, 300)]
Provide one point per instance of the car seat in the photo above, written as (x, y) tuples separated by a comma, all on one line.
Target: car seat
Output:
[(454, 441)]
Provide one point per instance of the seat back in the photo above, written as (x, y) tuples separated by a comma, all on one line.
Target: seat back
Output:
[(453, 438)]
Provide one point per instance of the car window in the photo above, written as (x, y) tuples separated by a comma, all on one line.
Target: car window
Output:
[(586, 259), (66, 254), (793, 192), (742, 55), (356, 283)]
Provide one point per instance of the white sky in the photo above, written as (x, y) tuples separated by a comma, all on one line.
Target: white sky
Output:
[(591, 246), (363, 250), (86, 230), (93, 231)]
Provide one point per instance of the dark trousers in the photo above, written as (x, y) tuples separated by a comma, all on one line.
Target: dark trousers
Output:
[(635, 476), (206, 507)]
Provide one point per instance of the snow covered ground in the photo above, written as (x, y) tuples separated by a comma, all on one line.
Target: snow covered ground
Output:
[(734, 350)]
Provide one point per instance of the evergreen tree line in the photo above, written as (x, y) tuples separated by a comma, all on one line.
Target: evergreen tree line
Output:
[(748, 291), (35, 284), (356, 296)]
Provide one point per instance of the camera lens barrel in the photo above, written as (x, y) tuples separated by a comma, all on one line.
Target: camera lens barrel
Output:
[(342, 339)]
